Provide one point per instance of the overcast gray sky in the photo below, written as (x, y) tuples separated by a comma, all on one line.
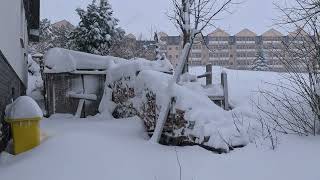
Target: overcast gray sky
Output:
[(140, 16)]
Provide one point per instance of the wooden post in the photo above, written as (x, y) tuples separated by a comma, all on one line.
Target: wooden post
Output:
[(209, 74), (53, 98), (224, 82), (79, 109)]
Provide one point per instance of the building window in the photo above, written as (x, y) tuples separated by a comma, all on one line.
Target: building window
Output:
[(196, 55), (196, 47)]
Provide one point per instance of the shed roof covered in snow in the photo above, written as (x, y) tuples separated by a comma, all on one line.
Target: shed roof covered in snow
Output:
[(58, 60)]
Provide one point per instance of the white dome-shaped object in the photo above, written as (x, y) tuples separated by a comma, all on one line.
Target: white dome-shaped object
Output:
[(24, 107)]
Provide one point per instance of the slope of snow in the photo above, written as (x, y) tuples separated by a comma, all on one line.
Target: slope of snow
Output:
[(85, 149)]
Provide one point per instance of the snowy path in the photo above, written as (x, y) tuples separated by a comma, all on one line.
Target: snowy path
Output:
[(118, 149)]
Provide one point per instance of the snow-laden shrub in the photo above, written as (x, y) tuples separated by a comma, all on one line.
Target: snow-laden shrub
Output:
[(121, 95), (97, 29), (35, 82), (138, 88)]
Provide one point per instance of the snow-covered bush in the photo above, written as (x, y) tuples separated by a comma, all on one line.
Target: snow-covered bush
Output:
[(97, 29), (35, 82), (121, 95), (138, 87)]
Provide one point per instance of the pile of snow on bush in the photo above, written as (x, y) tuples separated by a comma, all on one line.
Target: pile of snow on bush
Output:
[(137, 87)]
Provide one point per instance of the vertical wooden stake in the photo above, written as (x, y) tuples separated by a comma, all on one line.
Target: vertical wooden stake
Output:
[(209, 74), (224, 82)]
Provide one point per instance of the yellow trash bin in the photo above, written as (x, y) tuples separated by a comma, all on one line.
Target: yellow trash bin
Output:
[(24, 116)]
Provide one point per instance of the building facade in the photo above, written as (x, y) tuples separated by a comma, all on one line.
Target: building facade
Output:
[(235, 51), (19, 24)]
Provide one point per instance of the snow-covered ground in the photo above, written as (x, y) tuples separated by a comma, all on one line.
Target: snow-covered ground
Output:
[(96, 148)]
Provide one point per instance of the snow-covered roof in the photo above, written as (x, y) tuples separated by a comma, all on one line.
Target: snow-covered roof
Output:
[(63, 23), (271, 33), (298, 32), (58, 60), (130, 36), (218, 33), (245, 33), (162, 34), (24, 107)]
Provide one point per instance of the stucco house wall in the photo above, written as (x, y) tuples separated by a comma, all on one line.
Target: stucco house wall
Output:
[(19, 20)]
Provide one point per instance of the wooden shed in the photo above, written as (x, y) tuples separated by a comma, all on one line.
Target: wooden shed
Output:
[(74, 81), (64, 91)]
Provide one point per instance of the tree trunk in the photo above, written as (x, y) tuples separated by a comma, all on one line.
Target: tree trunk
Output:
[(187, 30)]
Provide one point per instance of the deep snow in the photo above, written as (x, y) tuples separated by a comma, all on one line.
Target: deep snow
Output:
[(96, 148), (85, 149)]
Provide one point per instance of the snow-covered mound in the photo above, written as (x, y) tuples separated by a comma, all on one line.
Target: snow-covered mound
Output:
[(209, 119), (63, 60), (135, 65), (139, 88), (23, 107)]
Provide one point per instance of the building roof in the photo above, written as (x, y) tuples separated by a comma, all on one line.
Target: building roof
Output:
[(59, 60), (218, 33), (162, 34), (271, 33), (63, 23), (246, 33), (130, 36), (298, 32)]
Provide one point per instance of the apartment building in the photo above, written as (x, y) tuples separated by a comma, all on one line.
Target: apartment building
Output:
[(234, 51), (219, 50), (222, 49)]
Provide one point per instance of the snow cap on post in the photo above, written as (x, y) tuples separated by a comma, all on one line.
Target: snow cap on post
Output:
[(24, 107)]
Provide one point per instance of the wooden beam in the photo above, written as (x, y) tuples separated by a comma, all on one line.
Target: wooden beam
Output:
[(92, 97), (79, 109)]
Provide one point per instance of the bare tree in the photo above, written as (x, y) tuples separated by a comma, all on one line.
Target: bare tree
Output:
[(295, 106), (192, 17), (129, 48)]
